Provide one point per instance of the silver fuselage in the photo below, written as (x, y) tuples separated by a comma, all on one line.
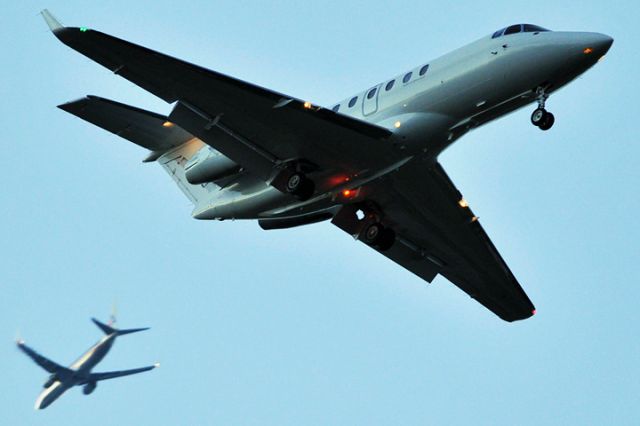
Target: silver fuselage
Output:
[(461, 90), (80, 371)]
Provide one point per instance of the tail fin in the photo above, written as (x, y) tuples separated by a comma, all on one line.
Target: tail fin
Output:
[(107, 329)]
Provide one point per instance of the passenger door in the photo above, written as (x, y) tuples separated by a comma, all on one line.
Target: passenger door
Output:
[(370, 100)]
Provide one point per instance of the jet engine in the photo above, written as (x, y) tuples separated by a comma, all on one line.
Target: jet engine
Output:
[(89, 387), (211, 168), (49, 382)]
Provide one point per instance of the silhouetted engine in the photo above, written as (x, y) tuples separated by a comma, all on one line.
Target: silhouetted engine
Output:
[(89, 387), (49, 382)]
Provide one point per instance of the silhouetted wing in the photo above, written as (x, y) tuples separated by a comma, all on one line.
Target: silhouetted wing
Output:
[(439, 234), (267, 127), (94, 377), (42, 361)]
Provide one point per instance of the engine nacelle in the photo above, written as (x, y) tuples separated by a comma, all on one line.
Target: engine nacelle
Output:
[(89, 387), (49, 382), (201, 169)]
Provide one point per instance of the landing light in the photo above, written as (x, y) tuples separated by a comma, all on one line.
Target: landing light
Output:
[(587, 51), (463, 203), (167, 124), (397, 124), (307, 105)]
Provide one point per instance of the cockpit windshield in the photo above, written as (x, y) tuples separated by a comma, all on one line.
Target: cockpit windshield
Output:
[(518, 28)]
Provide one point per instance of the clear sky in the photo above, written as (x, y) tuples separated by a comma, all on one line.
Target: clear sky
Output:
[(306, 326)]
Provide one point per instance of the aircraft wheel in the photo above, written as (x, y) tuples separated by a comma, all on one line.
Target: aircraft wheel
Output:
[(538, 116), (547, 122), (371, 233), (300, 186)]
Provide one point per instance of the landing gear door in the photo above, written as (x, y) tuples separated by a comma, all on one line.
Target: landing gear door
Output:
[(370, 100)]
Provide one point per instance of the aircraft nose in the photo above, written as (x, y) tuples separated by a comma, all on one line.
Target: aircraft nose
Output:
[(596, 44)]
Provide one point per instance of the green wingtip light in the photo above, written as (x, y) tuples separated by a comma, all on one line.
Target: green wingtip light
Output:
[(84, 29)]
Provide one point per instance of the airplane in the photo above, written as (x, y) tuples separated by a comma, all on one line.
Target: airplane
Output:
[(368, 163), (79, 373)]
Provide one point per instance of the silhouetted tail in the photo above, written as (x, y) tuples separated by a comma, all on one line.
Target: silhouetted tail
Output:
[(107, 329)]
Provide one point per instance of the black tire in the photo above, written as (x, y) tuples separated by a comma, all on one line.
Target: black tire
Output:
[(548, 121), (538, 116), (295, 182), (300, 186), (306, 190), (386, 240), (371, 233)]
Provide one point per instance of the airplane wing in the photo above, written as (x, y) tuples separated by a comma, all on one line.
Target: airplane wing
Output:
[(439, 234), (94, 377), (46, 363), (258, 128)]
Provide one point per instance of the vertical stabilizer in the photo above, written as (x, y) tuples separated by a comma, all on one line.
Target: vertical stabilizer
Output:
[(107, 329)]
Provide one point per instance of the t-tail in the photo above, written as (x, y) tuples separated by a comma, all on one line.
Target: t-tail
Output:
[(107, 329)]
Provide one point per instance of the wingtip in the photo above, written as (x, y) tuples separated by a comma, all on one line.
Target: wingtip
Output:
[(156, 365), (51, 21)]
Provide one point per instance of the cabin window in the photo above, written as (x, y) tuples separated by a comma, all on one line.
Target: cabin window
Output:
[(407, 77), (390, 85), (424, 69), (372, 93), (336, 108), (513, 29), (353, 101)]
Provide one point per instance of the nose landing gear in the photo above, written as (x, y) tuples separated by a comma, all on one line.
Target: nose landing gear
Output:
[(541, 117)]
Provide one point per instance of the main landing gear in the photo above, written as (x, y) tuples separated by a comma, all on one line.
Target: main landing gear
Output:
[(364, 222), (300, 186), (376, 235), (541, 117)]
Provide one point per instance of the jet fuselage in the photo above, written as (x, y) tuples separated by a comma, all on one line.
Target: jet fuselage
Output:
[(428, 108)]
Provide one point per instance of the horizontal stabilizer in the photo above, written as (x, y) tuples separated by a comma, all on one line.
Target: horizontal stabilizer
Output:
[(107, 329), (145, 128)]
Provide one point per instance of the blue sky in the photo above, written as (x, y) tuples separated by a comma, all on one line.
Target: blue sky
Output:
[(307, 326)]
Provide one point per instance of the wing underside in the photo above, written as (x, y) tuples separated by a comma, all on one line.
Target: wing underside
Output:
[(255, 127), (42, 361), (439, 234)]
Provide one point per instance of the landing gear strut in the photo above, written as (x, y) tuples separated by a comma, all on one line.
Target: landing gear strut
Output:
[(541, 117)]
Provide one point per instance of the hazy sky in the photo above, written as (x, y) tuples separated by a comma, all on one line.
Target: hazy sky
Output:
[(306, 326)]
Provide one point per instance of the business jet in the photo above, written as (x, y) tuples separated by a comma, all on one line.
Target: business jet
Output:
[(368, 163), (79, 373)]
